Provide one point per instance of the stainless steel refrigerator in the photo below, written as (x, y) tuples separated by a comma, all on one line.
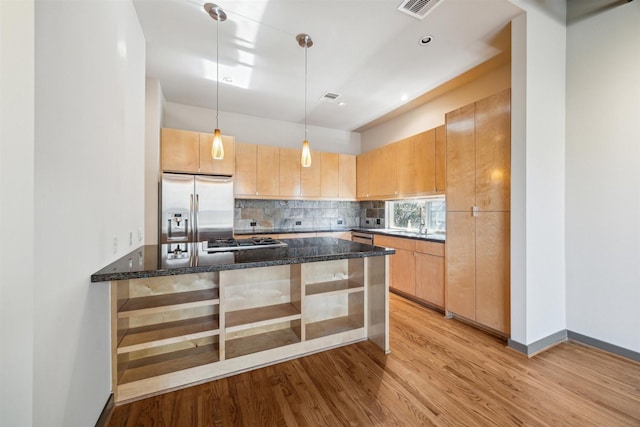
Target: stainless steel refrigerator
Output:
[(195, 208)]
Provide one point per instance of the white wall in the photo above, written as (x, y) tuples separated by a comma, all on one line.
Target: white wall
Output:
[(431, 114), (16, 212), (257, 130), (89, 189), (154, 116), (538, 300), (603, 172)]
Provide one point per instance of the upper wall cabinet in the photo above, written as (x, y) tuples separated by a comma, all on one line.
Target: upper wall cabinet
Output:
[(346, 177), (424, 163), (265, 172), (362, 175), (411, 167), (187, 151), (441, 158)]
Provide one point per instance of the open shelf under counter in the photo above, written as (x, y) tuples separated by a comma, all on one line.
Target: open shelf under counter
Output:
[(153, 366), (260, 342), (332, 326), (168, 333), (260, 316), (333, 287), (173, 301)]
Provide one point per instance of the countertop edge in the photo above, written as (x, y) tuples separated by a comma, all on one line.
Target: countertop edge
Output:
[(107, 277)]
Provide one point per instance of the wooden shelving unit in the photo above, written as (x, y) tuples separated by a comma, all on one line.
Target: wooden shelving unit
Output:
[(334, 287), (260, 342), (260, 316), (171, 332), (176, 301), (332, 326), (334, 306), (168, 333), (165, 363)]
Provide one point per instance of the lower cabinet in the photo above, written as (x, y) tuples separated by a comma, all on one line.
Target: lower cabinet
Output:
[(416, 269), (172, 331)]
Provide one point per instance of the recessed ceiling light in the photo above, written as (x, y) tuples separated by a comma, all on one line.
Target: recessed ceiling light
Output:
[(425, 40), (342, 104), (404, 97)]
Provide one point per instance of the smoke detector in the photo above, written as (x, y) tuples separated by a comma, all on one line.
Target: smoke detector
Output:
[(418, 8)]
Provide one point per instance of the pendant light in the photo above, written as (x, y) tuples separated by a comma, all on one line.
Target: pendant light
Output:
[(305, 41), (215, 12)]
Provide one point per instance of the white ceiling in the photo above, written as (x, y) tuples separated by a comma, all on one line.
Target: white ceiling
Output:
[(365, 50)]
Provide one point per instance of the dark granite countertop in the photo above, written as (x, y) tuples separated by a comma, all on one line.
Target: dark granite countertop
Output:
[(431, 237), (161, 260)]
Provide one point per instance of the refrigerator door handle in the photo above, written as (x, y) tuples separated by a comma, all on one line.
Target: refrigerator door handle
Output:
[(197, 223), (190, 232)]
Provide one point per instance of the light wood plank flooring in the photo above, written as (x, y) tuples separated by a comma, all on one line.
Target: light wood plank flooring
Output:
[(440, 372)]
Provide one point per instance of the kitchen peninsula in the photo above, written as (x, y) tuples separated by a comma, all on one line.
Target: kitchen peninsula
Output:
[(181, 315)]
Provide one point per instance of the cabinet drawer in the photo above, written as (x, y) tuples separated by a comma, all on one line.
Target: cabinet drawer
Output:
[(395, 242), (431, 248)]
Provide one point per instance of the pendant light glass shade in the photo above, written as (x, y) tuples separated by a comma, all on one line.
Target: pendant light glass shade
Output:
[(216, 13), (305, 161), (305, 41), (217, 150)]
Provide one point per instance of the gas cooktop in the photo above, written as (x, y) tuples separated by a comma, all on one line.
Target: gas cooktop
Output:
[(219, 245)]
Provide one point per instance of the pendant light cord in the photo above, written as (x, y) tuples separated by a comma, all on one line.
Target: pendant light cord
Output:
[(217, 72), (306, 43)]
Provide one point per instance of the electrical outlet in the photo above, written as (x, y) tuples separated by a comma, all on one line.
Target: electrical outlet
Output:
[(378, 221), (366, 221), (131, 238), (115, 245), (253, 223), (298, 222), (340, 222)]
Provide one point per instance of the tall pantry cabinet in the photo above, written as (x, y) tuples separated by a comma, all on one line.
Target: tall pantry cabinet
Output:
[(478, 212)]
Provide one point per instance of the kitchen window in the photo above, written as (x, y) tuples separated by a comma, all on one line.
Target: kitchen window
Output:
[(419, 215)]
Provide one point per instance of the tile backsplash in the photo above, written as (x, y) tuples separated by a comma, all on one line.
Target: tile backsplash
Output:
[(264, 215)]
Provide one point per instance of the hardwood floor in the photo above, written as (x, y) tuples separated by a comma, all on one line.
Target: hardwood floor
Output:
[(440, 372)]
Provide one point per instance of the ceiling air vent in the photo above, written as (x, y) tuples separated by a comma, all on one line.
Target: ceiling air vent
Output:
[(330, 97), (418, 8)]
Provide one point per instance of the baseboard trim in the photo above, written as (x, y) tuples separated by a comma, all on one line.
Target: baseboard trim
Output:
[(105, 415), (602, 345), (539, 346)]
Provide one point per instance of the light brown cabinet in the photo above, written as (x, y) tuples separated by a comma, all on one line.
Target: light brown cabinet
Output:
[(329, 175), (346, 177), (267, 165), (382, 173), (179, 150), (290, 183), (425, 162), (270, 172), (412, 167), (256, 171), (362, 175), (187, 151), (478, 144), (246, 167), (441, 159), (416, 269), (430, 272)]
